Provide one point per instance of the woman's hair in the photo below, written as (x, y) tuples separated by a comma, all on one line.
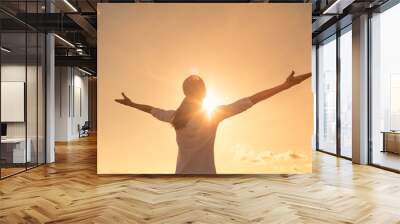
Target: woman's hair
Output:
[(194, 90)]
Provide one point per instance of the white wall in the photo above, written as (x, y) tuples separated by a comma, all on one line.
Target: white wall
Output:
[(79, 117), (62, 82), (70, 94), (12, 73), (16, 73)]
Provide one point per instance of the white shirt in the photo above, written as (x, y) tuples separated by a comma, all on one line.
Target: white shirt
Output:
[(196, 140)]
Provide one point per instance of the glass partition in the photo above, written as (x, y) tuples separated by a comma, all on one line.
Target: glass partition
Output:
[(14, 153), (22, 101)]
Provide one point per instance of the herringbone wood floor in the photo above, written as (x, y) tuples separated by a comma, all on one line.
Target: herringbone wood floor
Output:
[(69, 191)]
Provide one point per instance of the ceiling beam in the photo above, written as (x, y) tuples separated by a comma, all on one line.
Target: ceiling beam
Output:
[(81, 61), (86, 26), (337, 7)]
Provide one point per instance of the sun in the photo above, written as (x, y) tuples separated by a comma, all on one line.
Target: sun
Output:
[(210, 102)]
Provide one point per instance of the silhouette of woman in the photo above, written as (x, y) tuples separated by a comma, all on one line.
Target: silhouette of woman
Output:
[(195, 130)]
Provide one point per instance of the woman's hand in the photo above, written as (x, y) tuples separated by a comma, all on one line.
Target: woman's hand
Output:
[(128, 102), (292, 80), (125, 101)]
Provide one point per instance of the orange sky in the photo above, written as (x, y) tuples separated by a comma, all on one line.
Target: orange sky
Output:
[(147, 50)]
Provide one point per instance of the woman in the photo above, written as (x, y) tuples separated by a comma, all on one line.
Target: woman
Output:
[(195, 130)]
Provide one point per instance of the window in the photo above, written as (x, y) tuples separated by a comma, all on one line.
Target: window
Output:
[(395, 102), (327, 95), (346, 93), (385, 89)]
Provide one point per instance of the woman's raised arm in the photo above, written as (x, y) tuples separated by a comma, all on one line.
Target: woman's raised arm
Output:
[(290, 81), (128, 102), (225, 111)]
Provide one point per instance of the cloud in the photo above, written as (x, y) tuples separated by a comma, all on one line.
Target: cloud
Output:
[(248, 154)]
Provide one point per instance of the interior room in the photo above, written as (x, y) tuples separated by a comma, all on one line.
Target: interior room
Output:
[(61, 76)]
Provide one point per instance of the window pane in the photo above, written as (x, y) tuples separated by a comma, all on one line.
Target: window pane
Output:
[(385, 88), (346, 94), (327, 96)]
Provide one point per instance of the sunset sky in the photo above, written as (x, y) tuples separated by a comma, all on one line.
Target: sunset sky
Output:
[(147, 50)]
